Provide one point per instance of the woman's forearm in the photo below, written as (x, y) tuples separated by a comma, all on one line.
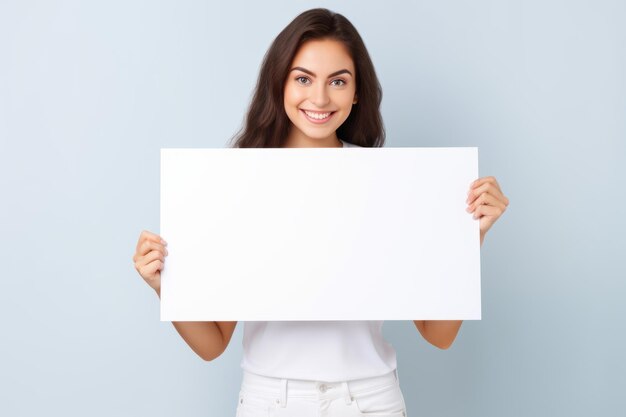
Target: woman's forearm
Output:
[(440, 333), (203, 337)]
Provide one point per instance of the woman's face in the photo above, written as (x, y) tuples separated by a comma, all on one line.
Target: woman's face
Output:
[(319, 93)]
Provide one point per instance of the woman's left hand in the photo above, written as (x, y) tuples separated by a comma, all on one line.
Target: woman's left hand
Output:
[(486, 201)]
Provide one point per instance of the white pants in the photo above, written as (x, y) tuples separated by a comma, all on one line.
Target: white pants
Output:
[(262, 396)]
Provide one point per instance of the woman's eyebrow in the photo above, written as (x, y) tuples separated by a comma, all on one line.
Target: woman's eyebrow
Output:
[(342, 71)]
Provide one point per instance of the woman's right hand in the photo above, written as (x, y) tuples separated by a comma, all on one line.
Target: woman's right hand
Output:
[(149, 258)]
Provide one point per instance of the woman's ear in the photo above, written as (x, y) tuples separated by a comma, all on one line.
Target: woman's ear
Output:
[(355, 99)]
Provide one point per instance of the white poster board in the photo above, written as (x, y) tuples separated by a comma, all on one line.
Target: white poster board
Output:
[(319, 234)]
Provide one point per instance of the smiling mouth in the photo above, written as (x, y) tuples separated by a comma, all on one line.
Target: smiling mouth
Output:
[(317, 116)]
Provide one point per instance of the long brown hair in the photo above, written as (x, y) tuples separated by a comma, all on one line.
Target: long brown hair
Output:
[(267, 124)]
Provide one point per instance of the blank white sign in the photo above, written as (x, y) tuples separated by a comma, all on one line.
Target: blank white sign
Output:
[(319, 234)]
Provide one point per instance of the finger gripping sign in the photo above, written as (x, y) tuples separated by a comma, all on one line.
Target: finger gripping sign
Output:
[(319, 234)]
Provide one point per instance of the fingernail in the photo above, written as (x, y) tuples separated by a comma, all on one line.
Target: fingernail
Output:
[(163, 242)]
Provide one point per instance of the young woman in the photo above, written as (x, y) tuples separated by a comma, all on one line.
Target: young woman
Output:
[(317, 88)]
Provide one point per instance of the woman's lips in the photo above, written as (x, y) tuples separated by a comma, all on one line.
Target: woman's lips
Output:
[(314, 116)]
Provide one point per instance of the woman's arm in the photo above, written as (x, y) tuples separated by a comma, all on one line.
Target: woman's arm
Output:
[(208, 339), (440, 333), (486, 201)]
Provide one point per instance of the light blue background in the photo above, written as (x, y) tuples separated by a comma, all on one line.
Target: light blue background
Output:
[(89, 93)]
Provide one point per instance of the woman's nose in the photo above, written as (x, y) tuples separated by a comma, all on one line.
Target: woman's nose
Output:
[(320, 96)]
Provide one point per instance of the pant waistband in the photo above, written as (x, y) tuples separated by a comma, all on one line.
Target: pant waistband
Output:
[(282, 388)]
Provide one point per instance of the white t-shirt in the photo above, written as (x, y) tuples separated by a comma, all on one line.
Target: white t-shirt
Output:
[(317, 350)]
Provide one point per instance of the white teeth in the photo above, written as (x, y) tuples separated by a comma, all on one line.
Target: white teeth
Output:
[(318, 116)]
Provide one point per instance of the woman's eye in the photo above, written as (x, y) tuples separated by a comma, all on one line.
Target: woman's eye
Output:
[(302, 80), (338, 82)]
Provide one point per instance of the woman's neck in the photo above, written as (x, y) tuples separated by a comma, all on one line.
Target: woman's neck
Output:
[(302, 141)]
